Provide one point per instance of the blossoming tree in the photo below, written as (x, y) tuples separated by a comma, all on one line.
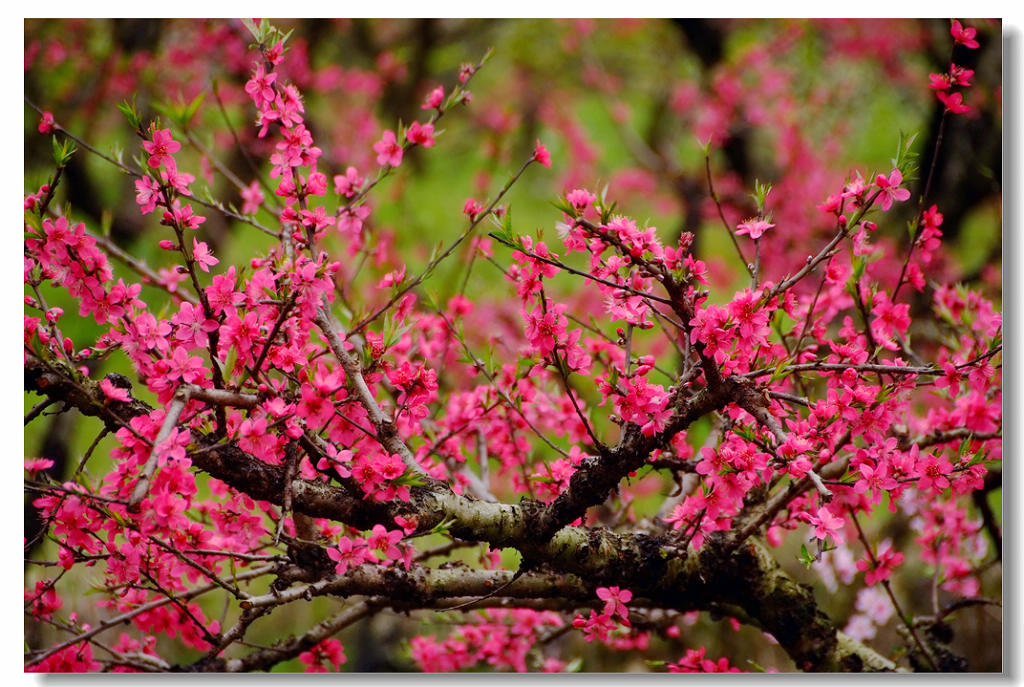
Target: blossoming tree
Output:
[(299, 428)]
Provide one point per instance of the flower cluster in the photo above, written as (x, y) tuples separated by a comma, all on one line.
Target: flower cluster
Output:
[(304, 413)]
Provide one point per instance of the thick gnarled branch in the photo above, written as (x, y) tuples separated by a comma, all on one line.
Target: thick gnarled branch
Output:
[(748, 577)]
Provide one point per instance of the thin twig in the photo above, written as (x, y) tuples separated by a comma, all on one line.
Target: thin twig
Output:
[(892, 597), (174, 411), (721, 215)]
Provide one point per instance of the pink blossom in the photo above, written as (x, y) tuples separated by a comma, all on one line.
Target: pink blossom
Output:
[(179, 181), (932, 472), (954, 102), (963, 36), (382, 540), (580, 199), (148, 194), (695, 662), (471, 208), (391, 467), (261, 86), (170, 278), (161, 148), (826, 524), (544, 330), (891, 190), (47, 124), (348, 554), (960, 76), (221, 293), (874, 602), (541, 155), (335, 459), (275, 53), (596, 627), (420, 134), (615, 602), (114, 393), (34, 465), (202, 255), (388, 151), (329, 650), (183, 218), (891, 319), (316, 219), (755, 227), (939, 82), (252, 198), (192, 325), (348, 184), (434, 99), (885, 562)]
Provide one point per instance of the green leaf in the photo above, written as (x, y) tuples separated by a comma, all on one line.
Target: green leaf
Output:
[(506, 222), (806, 557), (779, 373), (232, 357), (106, 223), (760, 195), (130, 113), (564, 206), (606, 213), (411, 479), (62, 150), (859, 265), (253, 29), (193, 107), (758, 668), (906, 159), (33, 221), (431, 298)]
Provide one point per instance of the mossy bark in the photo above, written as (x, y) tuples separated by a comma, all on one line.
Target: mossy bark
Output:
[(575, 560)]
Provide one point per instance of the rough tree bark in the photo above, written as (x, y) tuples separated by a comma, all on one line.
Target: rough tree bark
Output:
[(745, 580)]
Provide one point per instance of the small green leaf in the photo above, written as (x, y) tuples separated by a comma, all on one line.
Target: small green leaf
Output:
[(432, 299), (62, 150), (193, 107), (253, 29), (806, 557), (232, 357), (859, 265), (33, 221), (760, 195), (130, 113), (106, 222), (165, 109), (606, 213), (564, 206), (506, 222)]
